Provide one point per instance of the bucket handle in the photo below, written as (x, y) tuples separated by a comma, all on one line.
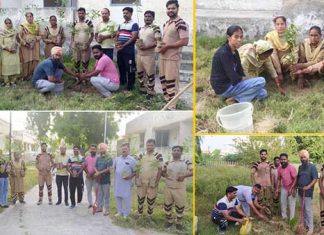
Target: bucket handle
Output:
[(218, 120)]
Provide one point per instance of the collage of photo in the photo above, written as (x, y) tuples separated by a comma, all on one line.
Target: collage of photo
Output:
[(161, 117)]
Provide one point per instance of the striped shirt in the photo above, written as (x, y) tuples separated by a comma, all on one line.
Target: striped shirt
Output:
[(173, 31), (82, 30), (125, 31)]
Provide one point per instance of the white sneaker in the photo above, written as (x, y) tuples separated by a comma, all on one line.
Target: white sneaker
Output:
[(117, 214)]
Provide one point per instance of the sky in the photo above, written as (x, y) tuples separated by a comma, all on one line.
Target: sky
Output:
[(19, 121), (223, 143)]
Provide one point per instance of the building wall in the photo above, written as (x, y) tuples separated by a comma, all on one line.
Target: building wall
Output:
[(179, 127), (4, 132), (215, 16), (151, 120)]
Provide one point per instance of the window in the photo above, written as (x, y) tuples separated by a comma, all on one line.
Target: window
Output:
[(123, 2), (58, 3), (162, 138)]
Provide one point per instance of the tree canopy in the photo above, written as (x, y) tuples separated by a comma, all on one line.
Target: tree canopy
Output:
[(76, 128)]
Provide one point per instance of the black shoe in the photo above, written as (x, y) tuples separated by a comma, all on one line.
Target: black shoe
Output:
[(66, 203), (39, 202), (179, 227), (5, 206), (168, 225), (21, 202), (72, 206), (89, 206), (50, 203), (58, 203)]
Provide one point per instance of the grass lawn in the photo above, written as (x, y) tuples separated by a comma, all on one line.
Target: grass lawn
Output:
[(298, 111), (24, 97), (30, 180), (211, 183), (158, 216)]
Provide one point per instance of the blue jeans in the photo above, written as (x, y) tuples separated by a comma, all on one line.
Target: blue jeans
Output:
[(247, 90), (45, 86), (308, 212), (3, 191), (219, 219)]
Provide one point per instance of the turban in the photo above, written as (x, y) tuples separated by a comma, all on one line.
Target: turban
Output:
[(304, 152), (57, 51), (103, 146)]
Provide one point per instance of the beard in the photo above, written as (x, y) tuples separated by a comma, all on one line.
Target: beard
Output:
[(284, 165), (304, 162), (172, 14)]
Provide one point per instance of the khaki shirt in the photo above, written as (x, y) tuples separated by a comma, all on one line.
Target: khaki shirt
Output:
[(253, 66), (174, 169), (262, 173), (149, 35), (82, 31), (149, 165), (106, 29), (173, 31), (44, 162)]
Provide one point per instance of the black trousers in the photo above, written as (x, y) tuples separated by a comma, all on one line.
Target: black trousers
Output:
[(109, 52), (127, 68), (62, 180), (76, 184)]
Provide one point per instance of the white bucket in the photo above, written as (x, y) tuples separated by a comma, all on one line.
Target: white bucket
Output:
[(236, 117), (59, 87)]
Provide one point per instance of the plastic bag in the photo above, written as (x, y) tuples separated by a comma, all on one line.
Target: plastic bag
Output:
[(246, 227)]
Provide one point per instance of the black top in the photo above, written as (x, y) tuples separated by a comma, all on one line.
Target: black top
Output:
[(3, 174), (226, 69)]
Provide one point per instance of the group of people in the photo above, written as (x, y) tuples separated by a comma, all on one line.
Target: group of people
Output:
[(272, 181), (146, 169), (236, 68), (15, 170), (23, 47)]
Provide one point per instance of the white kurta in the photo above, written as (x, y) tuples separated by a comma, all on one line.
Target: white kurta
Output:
[(124, 166)]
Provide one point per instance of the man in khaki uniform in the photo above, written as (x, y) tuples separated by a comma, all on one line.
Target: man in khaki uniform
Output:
[(148, 176), (175, 36), (82, 36), (105, 32), (175, 171), (262, 173), (44, 163), (148, 36)]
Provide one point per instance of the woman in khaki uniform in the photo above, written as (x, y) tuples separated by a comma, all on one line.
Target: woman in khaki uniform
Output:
[(311, 51), (280, 56), (29, 36), (17, 174), (53, 36)]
